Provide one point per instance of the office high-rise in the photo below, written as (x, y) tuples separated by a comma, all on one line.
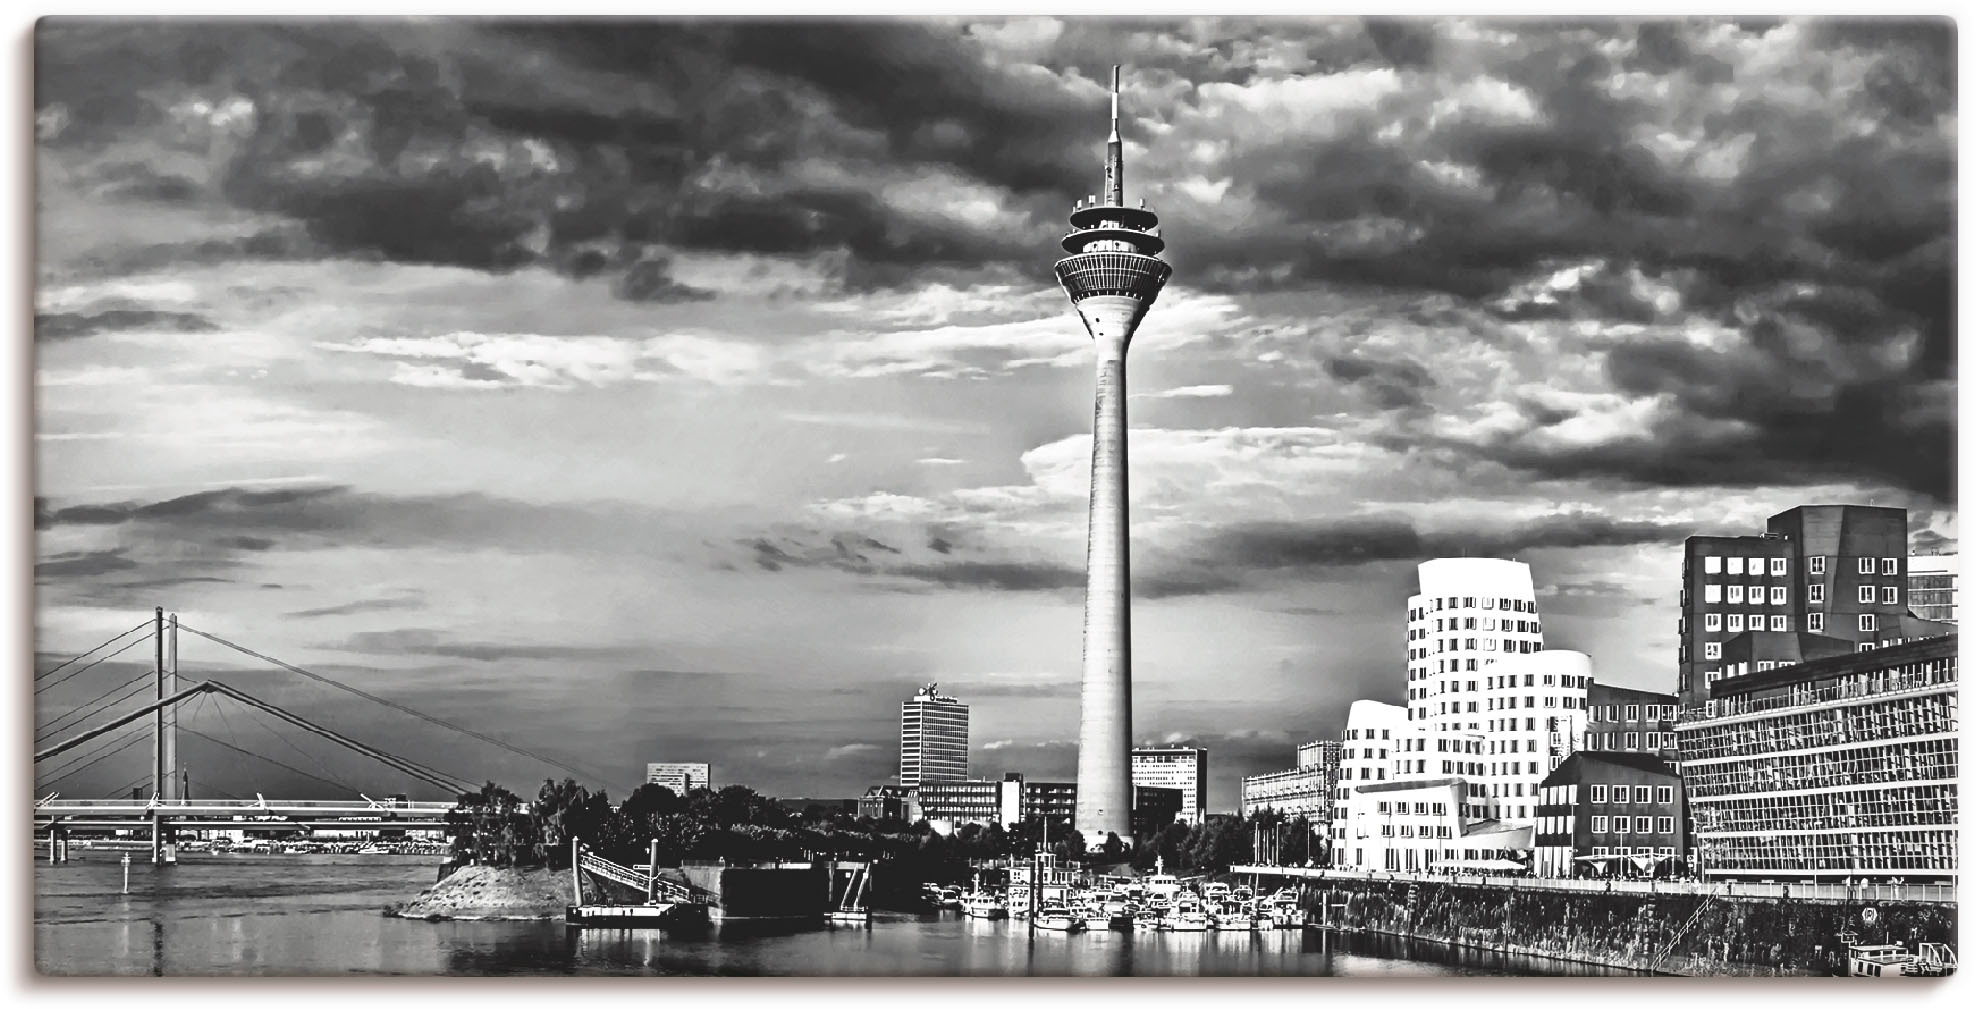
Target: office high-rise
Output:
[(934, 738)]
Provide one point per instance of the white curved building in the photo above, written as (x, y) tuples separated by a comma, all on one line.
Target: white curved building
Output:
[(1478, 667)]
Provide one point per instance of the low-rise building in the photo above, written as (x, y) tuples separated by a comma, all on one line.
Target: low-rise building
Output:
[(1155, 808), (1604, 812), (1305, 790), (1181, 767), (1433, 824), (682, 778), (1839, 767), (1628, 720), (884, 802), (950, 804)]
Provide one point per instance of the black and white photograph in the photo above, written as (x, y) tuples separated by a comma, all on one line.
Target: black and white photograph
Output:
[(945, 496)]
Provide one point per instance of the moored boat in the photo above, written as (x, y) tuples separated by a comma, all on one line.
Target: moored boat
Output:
[(1878, 960), (983, 904), (1057, 918)]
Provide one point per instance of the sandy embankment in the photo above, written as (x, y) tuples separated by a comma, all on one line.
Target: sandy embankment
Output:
[(479, 891)]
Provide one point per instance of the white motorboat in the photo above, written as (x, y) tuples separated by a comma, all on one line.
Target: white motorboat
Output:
[(1878, 960), (983, 904)]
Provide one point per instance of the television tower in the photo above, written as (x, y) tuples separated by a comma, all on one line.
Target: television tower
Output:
[(1112, 277)]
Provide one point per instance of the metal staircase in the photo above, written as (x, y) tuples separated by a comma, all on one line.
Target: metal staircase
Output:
[(1678, 935), (662, 888)]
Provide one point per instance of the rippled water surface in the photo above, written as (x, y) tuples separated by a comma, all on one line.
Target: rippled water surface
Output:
[(302, 915)]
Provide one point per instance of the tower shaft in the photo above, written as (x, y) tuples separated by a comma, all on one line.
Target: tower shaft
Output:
[(1112, 276), (1106, 788)]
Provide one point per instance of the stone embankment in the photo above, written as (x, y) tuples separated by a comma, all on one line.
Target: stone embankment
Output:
[(1688, 934), (480, 891)]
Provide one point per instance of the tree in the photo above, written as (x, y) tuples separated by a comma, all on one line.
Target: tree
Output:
[(1114, 847)]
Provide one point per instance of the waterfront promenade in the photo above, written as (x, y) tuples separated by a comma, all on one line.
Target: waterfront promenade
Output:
[(1922, 893)]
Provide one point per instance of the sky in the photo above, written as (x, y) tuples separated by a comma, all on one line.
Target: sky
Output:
[(696, 390)]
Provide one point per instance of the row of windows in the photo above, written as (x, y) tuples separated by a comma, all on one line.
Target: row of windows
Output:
[(1632, 712), (1740, 565), (1365, 733), (1739, 622), (1642, 793), (1855, 807), (1470, 624), (1862, 852), (1817, 623), (1659, 852), (1893, 719), (1631, 740), (1929, 760), (1664, 825), (1409, 830), (1917, 674), (1471, 602), (1402, 808), (1714, 593)]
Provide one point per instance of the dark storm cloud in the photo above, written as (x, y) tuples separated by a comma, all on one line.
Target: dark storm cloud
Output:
[(73, 325), (216, 532), (1925, 541), (1316, 545), (434, 643), (381, 605), (1390, 384), (420, 143)]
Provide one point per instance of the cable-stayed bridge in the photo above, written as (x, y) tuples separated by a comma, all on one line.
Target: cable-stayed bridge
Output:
[(159, 802)]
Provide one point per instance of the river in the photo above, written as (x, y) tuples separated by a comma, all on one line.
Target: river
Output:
[(315, 915)]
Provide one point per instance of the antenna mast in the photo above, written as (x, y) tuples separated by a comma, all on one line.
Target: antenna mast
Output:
[(1116, 168)]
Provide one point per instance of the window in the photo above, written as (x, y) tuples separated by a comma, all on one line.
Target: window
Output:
[(1735, 622), (1712, 593), (1713, 649), (1865, 593), (1642, 793), (1642, 825), (1779, 566), (1889, 565), (1632, 713), (1779, 621), (1865, 565), (1866, 622), (1889, 595), (1735, 593), (1713, 622), (1665, 793), (1630, 739), (1755, 621), (1600, 824), (1621, 824), (1620, 795), (1712, 564), (1665, 824), (1817, 622), (1817, 593), (1777, 595), (1817, 565), (1597, 793)]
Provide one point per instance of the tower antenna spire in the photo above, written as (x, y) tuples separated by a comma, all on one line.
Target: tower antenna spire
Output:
[(1116, 168)]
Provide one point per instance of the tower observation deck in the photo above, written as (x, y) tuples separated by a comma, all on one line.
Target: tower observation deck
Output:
[(1112, 275)]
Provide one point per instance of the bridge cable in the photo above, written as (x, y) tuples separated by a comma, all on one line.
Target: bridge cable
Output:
[(65, 768), (277, 733), (443, 723), (211, 787), (57, 668), (258, 756), (72, 767), (83, 669), (430, 775), (134, 685)]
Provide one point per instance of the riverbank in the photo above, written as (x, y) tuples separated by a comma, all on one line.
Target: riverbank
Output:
[(1687, 934), (484, 892)]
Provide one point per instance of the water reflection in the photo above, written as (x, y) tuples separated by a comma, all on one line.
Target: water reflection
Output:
[(302, 918)]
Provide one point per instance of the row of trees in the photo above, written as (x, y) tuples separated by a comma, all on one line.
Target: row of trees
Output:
[(496, 827)]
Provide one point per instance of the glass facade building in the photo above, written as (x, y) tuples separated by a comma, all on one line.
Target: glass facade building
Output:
[(1839, 767)]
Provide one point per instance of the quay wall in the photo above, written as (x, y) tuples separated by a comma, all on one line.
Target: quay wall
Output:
[(760, 891), (1730, 935)]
